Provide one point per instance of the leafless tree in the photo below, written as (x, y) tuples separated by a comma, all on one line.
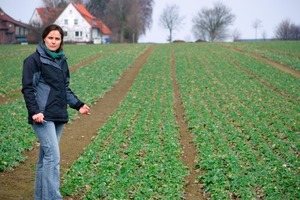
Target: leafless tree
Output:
[(59, 3), (287, 30), (282, 31), (97, 8), (171, 20), (118, 15), (128, 19), (236, 35), (138, 20), (51, 3), (146, 8), (211, 24), (295, 32), (257, 24), (264, 35), (134, 22)]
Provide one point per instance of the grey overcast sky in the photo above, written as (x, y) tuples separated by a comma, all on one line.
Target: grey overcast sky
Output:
[(270, 12)]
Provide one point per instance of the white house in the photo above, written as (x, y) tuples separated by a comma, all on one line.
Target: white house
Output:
[(81, 26)]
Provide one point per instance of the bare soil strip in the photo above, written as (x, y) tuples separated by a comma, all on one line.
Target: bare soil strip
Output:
[(278, 65), (192, 189), (12, 95), (270, 62), (282, 93), (19, 184), (15, 94)]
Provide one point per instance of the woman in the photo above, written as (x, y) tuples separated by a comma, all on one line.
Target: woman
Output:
[(45, 87)]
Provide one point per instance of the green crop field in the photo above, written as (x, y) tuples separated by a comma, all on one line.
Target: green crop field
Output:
[(242, 112)]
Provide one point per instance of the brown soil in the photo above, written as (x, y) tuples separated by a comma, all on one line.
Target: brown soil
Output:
[(15, 94), (193, 188), (19, 183)]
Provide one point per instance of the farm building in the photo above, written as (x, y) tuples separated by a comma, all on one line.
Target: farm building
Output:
[(11, 30), (81, 26), (78, 24)]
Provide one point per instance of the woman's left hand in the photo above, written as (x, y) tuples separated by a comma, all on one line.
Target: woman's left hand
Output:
[(85, 110)]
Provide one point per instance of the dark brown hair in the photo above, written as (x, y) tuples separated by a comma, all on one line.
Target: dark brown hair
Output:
[(54, 27)]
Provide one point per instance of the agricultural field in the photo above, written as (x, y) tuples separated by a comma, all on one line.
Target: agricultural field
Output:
[(283, 52), (242, 112), (16, 136)]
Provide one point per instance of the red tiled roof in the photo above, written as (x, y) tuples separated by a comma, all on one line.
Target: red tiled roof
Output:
[(92, 20), (4, 17), (83, 11), (49, 15)]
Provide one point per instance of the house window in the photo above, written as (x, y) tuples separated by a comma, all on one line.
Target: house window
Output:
[(65, 33), (66, 21), (78, 33), (18, 30), (75, 21)]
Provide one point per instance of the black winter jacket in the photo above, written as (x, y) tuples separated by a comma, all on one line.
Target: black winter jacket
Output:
[(45, 87)]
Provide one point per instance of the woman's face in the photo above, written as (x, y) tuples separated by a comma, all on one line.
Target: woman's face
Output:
[(53, 40)]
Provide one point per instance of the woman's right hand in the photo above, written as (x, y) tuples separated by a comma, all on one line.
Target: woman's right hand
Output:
[(85, 110), (38, 118)]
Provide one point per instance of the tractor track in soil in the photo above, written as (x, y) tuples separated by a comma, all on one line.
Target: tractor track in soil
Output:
[(192, 188), (19, 183), (16, 93), (273, 63)]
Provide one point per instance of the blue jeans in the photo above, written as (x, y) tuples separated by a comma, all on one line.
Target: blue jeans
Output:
[(47, 178)]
